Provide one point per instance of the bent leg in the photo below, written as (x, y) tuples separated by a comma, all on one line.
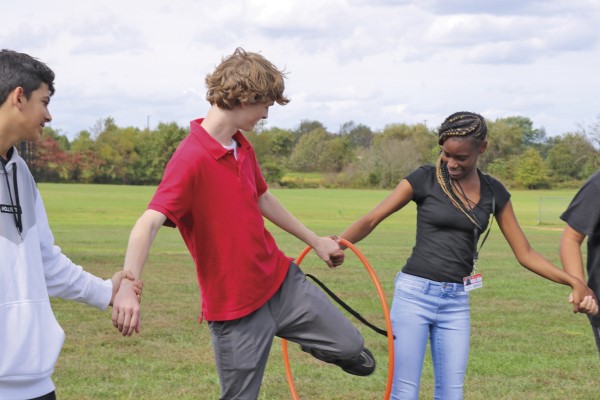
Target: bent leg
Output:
[(305, 315)]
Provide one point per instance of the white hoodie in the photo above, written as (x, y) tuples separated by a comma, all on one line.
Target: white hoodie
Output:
[(31, 269)]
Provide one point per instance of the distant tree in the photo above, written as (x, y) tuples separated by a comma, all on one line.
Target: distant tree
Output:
[(62, 140), (273, 142), (518, 153), (86, 161), (281, 142), (117, 148), (530, 170), (592, 132), (307, 126), (421, 138), (83, 142), (308, 151), (103, 125), (335, 155), (53, 164), (272, 171), (572, 156), (505, 139), (384, 164), (358, 135), (529, 135), (154, 149), (503, 169), (273, 148)]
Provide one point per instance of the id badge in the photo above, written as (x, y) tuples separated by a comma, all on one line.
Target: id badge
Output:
[(472, 282)]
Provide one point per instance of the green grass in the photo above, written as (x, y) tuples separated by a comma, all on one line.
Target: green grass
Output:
[(526, 343)]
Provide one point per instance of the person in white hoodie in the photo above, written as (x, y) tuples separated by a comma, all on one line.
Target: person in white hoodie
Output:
[(32, 267)]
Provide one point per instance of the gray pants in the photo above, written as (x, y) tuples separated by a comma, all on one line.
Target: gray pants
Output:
[(299, 312)]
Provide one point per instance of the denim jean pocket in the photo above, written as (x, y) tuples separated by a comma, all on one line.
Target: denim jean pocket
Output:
[(407, 289)]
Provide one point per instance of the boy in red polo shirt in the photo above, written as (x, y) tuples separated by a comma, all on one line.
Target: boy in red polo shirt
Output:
[(214, 193)]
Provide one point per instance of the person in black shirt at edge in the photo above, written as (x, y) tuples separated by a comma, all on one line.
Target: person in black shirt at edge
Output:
[(583, 220)]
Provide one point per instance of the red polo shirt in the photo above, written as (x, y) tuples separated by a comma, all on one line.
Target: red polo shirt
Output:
[(213, 199)]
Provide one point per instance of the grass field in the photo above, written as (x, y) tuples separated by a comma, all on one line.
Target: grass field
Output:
[(526, 343)]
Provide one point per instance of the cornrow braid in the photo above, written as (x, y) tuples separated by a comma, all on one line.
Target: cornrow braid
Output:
[(443, 178), (463, 124), (460, 124)]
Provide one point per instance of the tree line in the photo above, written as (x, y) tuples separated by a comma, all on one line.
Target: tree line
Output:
[(354, 157)]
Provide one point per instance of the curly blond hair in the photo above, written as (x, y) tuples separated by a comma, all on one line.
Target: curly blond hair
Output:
[(245, 78)]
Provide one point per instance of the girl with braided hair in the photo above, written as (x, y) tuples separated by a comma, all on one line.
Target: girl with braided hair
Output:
[(431, 300)]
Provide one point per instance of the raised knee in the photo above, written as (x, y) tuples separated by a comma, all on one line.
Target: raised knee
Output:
[(351, 348)]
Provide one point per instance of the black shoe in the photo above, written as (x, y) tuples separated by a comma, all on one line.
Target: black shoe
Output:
[(362, 364)]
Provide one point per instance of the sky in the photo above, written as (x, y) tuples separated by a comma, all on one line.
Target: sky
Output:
[(373, 62)]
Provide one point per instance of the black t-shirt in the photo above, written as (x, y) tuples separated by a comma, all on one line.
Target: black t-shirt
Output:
[(583, 215), (445, 242)]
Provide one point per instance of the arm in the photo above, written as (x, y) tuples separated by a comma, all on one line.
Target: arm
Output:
[(326, 248), (533, 261), (64, 278), (126, 308), (572, 261), (360, 229), (570, 252)]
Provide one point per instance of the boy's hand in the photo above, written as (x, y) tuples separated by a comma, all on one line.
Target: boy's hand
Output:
[(329, 250), (117, 279), (588, 305), (126, 309)]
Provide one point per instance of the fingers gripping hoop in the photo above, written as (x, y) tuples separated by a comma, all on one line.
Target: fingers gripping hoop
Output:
[(386, 313)]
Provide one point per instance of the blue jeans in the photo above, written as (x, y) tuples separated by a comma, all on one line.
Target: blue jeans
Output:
[(423, 310)]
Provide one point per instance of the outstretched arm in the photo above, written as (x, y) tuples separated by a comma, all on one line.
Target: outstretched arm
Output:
[(126, 307), (360, 229), (533, 261), (326, 248)]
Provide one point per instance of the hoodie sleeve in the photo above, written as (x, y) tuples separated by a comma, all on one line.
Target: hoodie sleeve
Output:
[(65, 279)]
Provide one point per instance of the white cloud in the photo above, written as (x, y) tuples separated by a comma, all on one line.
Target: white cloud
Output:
[(374, 62)]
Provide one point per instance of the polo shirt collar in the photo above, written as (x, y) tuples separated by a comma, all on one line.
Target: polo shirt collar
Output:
[(214, 148)]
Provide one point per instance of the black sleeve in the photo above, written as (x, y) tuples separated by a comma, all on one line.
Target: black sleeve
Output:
[(420, 179), (583, 214), (501, 195)]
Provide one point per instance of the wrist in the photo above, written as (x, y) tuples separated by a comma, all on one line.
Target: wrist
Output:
[(125, 283), (576, 282)]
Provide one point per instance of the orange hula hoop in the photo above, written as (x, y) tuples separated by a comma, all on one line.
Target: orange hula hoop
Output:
[(386, 313)]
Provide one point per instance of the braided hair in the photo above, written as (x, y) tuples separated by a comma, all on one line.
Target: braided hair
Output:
[(463, 124), (460, 124)]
